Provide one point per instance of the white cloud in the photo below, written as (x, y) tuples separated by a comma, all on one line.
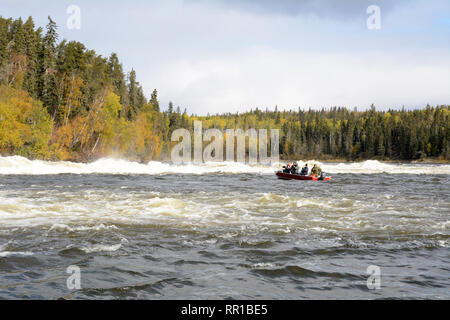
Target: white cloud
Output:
[(265, 78), (237, 60)]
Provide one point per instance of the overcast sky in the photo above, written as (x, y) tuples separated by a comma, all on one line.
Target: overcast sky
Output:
[(233, 55)]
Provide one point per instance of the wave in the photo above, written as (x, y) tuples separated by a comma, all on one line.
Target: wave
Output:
[(64, 227), (102, 248), (23, 166), (4, 254), (374, 166), (236, 212)]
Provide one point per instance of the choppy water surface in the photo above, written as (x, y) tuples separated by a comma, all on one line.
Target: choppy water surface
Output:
[(158, 231)]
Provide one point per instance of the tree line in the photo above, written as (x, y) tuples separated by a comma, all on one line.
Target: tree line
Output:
[(338, 133), (62, 101)]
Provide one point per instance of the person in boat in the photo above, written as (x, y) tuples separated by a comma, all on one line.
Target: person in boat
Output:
[(287, 168), (294, 168), (316, 171), (304, 171)]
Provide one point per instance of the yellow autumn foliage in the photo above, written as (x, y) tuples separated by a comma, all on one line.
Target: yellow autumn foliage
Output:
[(25, 126)]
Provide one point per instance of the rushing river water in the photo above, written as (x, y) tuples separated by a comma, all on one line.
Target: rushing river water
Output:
[(226, 230)]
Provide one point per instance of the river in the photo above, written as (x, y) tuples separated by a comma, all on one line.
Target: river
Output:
[(222, 231)]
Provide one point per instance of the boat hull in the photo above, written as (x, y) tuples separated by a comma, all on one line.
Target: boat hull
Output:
[(290, 176)]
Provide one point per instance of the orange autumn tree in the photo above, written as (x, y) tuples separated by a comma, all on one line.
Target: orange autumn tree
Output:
[(101, 132), (78, 138)]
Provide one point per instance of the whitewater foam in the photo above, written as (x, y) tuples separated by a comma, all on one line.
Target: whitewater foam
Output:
[(64, 227), (4, 254), (102, 248), (20, 165)]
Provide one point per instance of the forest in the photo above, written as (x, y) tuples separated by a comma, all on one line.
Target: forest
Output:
[(62, 101)]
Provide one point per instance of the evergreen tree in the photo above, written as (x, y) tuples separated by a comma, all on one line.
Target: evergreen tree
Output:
[(48, 83), (115, 72), (4, 41), (154, 100), (32, 43), (19, 45)]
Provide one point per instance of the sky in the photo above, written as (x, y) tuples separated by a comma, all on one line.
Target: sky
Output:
[(215, 56)]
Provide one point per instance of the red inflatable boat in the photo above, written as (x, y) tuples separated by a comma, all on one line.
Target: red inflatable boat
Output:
[(290, 176)]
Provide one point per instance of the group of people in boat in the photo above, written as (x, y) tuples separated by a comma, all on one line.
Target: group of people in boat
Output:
[(292, 168)]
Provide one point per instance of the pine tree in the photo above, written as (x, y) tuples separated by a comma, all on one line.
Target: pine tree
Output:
[(132, 90), (4, 40), (115, 72), (31, 49), (48, 83), (154, 100), (19, 45)]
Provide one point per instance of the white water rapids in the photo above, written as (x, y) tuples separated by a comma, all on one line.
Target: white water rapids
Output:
[(23, 166)]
